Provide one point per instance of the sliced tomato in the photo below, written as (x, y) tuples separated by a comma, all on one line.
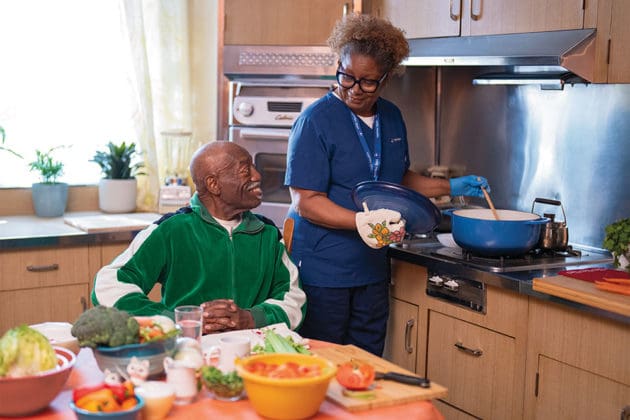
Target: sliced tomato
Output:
[(355, 375)]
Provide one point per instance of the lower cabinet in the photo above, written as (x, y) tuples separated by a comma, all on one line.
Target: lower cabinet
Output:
[(43, 284), (476, 364), (578, 365), (479, 357)]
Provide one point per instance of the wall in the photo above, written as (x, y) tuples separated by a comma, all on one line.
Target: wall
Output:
[(571, 145)]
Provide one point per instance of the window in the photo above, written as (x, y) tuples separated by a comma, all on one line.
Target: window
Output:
[(64, 68)]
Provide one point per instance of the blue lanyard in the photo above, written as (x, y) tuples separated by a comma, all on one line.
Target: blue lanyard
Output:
[(373, 159)]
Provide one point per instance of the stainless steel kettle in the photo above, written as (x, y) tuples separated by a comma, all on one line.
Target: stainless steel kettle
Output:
[(554, 235)]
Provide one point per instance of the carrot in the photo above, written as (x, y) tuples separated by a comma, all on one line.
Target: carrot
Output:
[(612, 287), (617, 281), (144, 321)]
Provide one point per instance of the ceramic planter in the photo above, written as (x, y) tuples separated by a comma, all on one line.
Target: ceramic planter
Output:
[(117, 195), (50, 200)]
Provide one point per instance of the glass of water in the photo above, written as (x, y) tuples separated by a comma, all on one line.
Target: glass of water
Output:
[(189, 319)]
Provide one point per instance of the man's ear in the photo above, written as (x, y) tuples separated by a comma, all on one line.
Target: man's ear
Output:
[(212, 185)]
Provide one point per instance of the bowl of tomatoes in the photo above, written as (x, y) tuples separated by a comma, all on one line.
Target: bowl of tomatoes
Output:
[(286, 385)]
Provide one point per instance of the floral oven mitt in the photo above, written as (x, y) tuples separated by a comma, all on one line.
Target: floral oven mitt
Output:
[(379, 228)]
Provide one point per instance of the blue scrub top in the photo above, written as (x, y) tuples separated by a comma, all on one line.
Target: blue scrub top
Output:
[(325, 155)]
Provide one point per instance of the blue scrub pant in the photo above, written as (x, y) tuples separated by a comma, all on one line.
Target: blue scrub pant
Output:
[(353, 315)]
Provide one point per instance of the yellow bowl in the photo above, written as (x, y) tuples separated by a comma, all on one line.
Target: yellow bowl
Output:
[(278, 398)]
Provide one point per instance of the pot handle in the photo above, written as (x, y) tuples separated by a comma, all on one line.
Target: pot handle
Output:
[(541, 221), (448, 212)]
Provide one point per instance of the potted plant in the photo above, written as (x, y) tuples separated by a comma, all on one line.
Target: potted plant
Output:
[(617, 241), (50, 197), (117, 191), (6, 149)]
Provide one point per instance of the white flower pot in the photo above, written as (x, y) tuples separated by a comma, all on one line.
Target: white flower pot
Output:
[(117, 195)]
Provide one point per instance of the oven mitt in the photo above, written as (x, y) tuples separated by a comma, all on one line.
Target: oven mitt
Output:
[(469, 185), (379, 228)]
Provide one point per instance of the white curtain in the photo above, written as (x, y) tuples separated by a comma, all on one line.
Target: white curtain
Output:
[(173, 49)]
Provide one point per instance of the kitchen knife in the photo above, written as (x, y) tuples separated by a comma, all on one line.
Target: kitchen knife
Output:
[(404, 379)]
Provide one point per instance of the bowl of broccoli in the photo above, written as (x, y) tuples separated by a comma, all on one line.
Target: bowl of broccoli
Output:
[(117, 337)]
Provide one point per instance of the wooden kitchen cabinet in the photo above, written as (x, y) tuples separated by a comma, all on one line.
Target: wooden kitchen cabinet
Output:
[(281, 22), (439, 18), (489, 385), (43, 284), (401, 342), (577, 365)]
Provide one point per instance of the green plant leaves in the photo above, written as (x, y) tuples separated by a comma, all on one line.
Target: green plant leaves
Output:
[(116, 162), (49, 169), (617, 238)]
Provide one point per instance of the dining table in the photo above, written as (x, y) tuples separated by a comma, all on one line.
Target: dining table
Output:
[(87, 372)]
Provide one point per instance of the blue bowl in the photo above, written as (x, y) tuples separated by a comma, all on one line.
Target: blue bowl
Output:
[(117, 358), (131, 414)]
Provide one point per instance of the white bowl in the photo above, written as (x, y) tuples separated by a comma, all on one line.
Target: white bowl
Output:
[(446, 239), (59, 334)]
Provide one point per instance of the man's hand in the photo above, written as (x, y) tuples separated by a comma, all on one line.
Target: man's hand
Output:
[(224, 315), (379, 228)]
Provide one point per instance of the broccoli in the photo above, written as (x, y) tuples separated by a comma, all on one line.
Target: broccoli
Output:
[(104, 326)]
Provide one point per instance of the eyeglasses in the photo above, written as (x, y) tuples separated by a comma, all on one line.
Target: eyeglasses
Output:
[(366, 85)]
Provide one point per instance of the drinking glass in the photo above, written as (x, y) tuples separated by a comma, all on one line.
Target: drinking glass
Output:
[(189, 319)]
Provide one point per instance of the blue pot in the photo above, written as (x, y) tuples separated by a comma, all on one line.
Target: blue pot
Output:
[(49, 200), (477, 231)]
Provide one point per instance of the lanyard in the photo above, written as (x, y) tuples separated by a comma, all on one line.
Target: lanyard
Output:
[(373, 159)]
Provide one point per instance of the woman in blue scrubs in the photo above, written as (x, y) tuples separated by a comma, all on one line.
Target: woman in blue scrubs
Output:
[(349, 136)]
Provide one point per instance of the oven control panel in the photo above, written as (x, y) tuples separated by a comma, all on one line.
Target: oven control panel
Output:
[(470, 294)]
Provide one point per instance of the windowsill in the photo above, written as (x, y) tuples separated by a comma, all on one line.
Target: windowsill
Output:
[(18, 201)]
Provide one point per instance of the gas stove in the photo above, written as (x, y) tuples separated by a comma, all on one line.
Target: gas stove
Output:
[(537, 259), (460, 277)]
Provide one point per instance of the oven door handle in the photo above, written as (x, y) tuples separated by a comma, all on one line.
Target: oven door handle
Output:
[(265, 133)]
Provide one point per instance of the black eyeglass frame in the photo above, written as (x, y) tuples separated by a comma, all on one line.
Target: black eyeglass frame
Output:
[(355, 81)]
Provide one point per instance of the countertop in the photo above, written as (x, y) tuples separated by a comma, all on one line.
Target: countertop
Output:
[(32, 231), (519, 282)]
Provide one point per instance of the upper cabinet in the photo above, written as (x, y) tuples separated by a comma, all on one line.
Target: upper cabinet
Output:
[(618, 59), (282, 22), (439, 18)]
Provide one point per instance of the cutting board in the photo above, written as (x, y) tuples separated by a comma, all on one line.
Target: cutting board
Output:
[(387, 392), (583, 292), (106, 223)]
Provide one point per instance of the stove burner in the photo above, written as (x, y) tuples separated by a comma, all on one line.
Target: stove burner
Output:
[(535, 259)]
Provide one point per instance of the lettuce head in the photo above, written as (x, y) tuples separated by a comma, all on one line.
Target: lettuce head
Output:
[(25, 351)]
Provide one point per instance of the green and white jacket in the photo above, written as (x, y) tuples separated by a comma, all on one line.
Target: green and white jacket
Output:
[(195, 260)]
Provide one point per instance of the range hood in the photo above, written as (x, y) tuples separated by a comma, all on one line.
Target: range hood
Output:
[(553, 57)]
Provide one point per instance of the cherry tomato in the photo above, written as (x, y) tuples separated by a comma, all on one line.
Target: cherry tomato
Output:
[(355, 375)]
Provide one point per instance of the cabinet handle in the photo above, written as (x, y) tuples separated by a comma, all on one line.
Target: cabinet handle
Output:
[(84, 303), (40, 268), (473, 352), (455, 13), (473, 15), (346, 9), (408, 327)]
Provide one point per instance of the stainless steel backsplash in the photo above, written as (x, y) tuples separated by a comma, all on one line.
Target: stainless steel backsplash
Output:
[(571, 145)]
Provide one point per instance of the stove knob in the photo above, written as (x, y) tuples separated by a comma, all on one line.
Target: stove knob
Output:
[(436, 281), (245, 109)]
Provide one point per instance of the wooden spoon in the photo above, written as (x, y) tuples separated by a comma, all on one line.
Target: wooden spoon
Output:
[(494, 211)]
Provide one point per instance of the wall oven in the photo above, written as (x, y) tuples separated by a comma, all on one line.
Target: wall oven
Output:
[(260, 118)]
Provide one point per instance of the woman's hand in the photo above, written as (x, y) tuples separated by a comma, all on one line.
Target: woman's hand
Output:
[(224, 315)]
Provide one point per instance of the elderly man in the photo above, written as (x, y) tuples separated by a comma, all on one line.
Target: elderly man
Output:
[(216, 253)]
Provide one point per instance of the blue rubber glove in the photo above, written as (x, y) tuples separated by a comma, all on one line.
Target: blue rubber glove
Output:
[(469, 185)]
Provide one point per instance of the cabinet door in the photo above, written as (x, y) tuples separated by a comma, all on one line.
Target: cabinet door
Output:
[(477, 366), (486, 17), (419, 19), (281, 22), (619, 60), (401, 343), (439, 18), (46, 304), (589, 396)]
